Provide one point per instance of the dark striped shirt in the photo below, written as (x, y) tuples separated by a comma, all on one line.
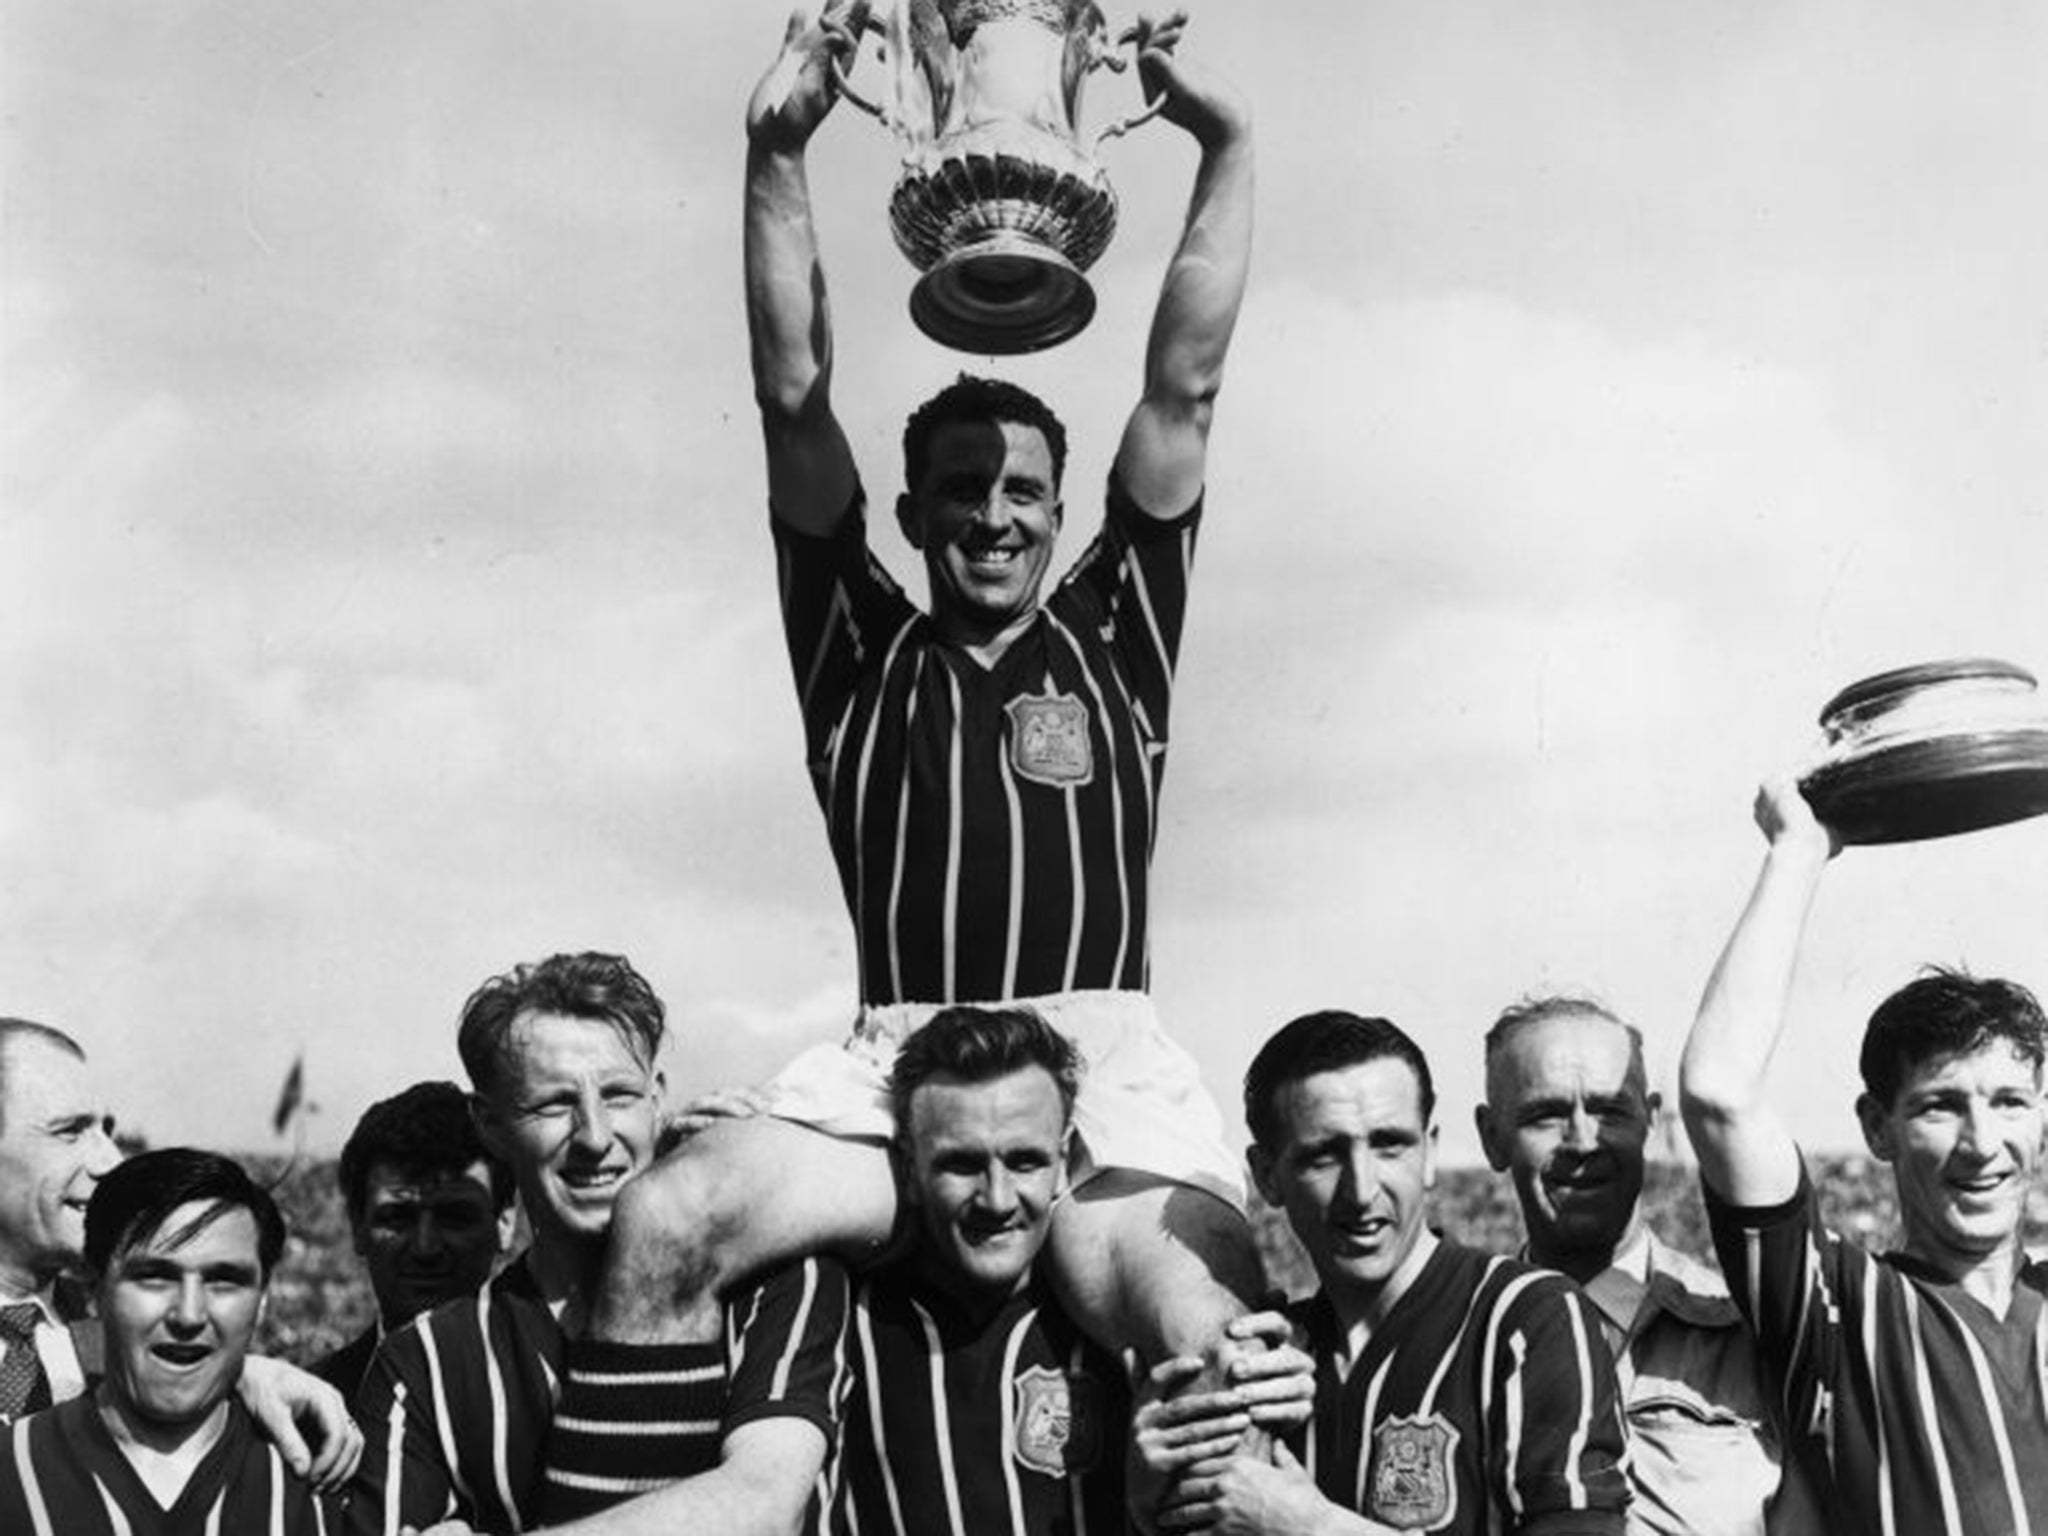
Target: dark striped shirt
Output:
[(457, 1406), (993, 827), (1013, 1427), (1917, 1411), (1484, 1402), (64, 1475)]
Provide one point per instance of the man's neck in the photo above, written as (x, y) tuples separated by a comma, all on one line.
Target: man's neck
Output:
[(163, 1455), (1985, 1277), (1362, 1308), (978, 1303), (20, 1282), (1583, 1264), (565, 1270), (984, 643)]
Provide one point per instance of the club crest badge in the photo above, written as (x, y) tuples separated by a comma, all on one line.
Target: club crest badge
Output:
[(1413, 1486), (1059, 1421), (1049, 739)]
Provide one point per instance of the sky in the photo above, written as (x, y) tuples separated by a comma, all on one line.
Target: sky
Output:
[(386, 593)]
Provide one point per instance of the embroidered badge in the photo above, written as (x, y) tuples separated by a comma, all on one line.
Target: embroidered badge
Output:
[(1412, 1485), (1049, 739), (1059, 1421)]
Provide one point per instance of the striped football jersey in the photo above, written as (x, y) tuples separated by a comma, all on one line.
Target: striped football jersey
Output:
[(62, 1474), (458, 1404), (1917, 1411), (993, 826), (1484, 1401), (1014, 1426)]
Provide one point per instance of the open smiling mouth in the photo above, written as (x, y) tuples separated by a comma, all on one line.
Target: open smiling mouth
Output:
[(181, 1356)]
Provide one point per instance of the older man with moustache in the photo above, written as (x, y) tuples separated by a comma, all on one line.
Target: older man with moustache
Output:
[(56, 1143), (1568, 1116)]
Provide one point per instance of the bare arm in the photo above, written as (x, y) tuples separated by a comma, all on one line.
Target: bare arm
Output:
[(789, 323), (1746, 1151), (1165, 444)]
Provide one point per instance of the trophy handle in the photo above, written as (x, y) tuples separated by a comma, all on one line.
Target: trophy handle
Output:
[(1106, 56), (839, 78)]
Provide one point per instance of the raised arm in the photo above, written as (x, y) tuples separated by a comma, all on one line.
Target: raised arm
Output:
[(1746, 1152), (789, 323), (1166, 441)]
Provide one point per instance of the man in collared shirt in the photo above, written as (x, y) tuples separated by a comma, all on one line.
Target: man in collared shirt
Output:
[(56, 1143), (1567, 1115)]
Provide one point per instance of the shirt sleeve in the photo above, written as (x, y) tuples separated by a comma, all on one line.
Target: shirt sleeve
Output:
[(403, 1478), (839, 607), (1785, 1271), (1557, 1458), (788, 1348), (1133, 579)]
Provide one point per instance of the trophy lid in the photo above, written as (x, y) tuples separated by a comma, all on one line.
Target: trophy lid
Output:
[(1871, 694), (1932, 750)]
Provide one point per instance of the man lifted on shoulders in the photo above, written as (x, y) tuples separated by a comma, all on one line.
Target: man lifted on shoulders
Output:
[(989, 770)]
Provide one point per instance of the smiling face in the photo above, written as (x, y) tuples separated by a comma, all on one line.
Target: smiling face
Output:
[(1352, 1163), (56, 1140), (1964, 1138), (428, 1234), (986, 1162), (1568, 1115), (179, 1312), (574, 1112), (984, 513)]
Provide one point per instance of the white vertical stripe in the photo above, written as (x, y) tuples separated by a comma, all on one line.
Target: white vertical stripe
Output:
[(780, 1387), (1013, 932), (1077, 876), (1511, 1423), (1143, 594), (2008, 1464), (444, 1424), (1116, 803), (877, 1425), (495, 1379), (31, 1486), (394, 1451), (902, 818), (1006, 1381), (1930, 1411), (863, 777), (835, 610), (942, 1422), (276, 1469), (1887, 1516), (319, 1518), (950, 935), (116, 1516), (1372, 1410), (1575, 1449)]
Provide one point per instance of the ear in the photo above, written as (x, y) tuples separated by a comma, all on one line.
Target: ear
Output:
[(1876, 1121), (487, 1128), (908, 520), (1064, 1184), (1260, 1162), (1059, 514), (1484, 1121), (1429, 1157)]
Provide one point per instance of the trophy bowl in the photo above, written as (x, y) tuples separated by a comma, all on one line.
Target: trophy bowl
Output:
[(1000, 202), (1931, 750)]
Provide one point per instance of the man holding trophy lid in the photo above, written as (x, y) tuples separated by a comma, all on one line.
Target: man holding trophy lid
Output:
[(988, 770)]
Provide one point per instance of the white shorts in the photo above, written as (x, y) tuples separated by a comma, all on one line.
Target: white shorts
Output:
[(1141, 1103)]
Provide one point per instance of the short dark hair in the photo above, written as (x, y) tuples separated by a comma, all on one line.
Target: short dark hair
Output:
[(976, 400), (979, 1045), (12, 1030), (132, 1202), (583, 986), (425, 1127), (1327, 1041), (1943, 1013)]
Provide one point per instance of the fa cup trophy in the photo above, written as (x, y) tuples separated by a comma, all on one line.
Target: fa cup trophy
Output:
[(1944, 747), (1000, 203)]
